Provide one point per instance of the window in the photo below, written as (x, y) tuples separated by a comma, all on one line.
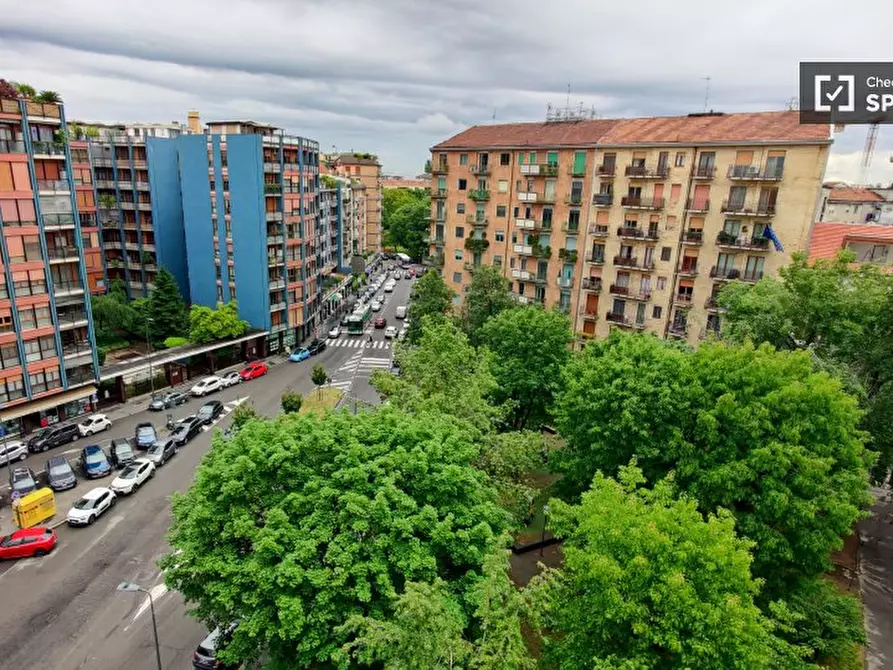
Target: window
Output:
[(463, 159), (753, 271), (463, 184), (661, 283), (457, 277), (460, 232), (680, 159), (460, 208), (27, 319), (657, 312), (500, 236), (505, 158), (222, 158), (731, 227), (226, 184), (458, 255), (665, 253), (502, 186), (500, 211), (9, 356), (497, 261)]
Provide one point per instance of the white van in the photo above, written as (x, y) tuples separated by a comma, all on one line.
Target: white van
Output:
[(401, 312)]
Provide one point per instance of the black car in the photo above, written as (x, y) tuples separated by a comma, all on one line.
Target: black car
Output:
[(121, 452), (186, 431), (162, 451), (60, 475), (205, 655), (173, 399), (316, 346), (53, 437), (22, 481), (144, 435), (208, 412)]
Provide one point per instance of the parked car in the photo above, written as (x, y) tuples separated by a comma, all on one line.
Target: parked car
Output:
[(121, 452), (380, 322), (389, 287), (390, 332), (13, 451), (376, 306), (22, 481), (133, 476), (205, 655), (162, 451), (231, 379), (94, 462), (253, 370), (27, 542), (94, 504), (345, 320), (186, 431), (401, 312), (208, 412), (173, 399), (316, 347), (53, 437), (60, 475), (94, 424), (299, 355), (398, 274), (402, 333), (144, 435), (335, 332), (206, 386)]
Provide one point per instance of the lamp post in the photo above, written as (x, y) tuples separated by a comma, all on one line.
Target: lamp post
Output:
[(130, 587), (149, 354), (543, 536)]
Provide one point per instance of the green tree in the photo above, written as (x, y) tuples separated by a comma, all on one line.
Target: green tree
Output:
[(406, 219), (291, 401), (319, 376), (531, 349), (648, 582), (209, 325), (48, 96), (488, 294), (242, 414), (433, 298), (427, 169), (297, 524), (25, 90), (167, 309)]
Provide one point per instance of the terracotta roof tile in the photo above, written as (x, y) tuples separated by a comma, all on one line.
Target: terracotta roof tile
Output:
[(744, 128), (829, 238), (405, 183), (854, 195)]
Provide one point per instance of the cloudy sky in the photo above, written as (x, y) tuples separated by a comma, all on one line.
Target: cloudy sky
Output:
[(396, 76)]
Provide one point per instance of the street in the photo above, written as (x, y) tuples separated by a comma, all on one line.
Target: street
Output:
[(62, 611)]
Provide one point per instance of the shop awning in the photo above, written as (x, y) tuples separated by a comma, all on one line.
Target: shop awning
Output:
[(47, 403)]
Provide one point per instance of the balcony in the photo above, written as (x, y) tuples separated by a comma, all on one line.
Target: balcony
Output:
[(539, 170), (752, 276), (87, 219), (571, 227), (470, 266), (522, 275), (66, 287), (636, 202), (605, 171), (102, 162), (577, 170), (712, 305), (592, 284), (564, 282), (633, 263), (628, 232), (272, 167), (645, 172), (619, 318), (277, 306), (753, 173), (704, 172), (683, 300), (125, 185), (58, 221), (53, 186), (568, 255), (693, 237), (439, 168), (697, 205), (678, 330), (595, 259), (43, 110), (12, 147), (603, 199), (599, 230), (438, 193), (272, 189), (688, 269), (724, 273), (63, 255), (144, 206), (479, 195), (275, 239), (742, 208), (66, 320), (127, 204), (527, 196), (724, 239), (476, 220), (630, 293), (77, 353), (525, 224), (48, 150), (275, 259), (141, 185), (480, 170), (273, 216), (574, 199)]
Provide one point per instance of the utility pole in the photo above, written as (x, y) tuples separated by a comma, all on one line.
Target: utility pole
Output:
[(149, 354), (706, 93)]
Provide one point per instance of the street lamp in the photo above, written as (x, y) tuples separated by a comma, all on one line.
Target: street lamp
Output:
[(543, 537), (149, 354), (130, 587)]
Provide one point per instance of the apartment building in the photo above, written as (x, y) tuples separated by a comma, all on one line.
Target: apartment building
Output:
[(138, 200), (870, 243), (328, 233), (367, 169), (846, 204), (48, 363), (627, 223), (85, 196), (250, 202)]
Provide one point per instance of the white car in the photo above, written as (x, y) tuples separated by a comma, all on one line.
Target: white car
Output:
[(13, 451), (133, 476), (376, 306), (390, 332), (206, 386), (335, 332), (89, 508), (389, 288), (94, 424), (231, 379)]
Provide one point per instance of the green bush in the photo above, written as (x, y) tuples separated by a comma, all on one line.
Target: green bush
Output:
[(291, 402), (171, 342), (242, 415)]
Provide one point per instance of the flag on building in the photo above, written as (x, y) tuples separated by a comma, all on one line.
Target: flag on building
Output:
[(768, 233)]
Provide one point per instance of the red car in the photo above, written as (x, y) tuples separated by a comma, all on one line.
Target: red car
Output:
[(380, 322), (253, 370), (28, 542)]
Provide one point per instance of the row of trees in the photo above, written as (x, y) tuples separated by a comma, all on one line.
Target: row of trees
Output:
[(406, 219), (14, 89)]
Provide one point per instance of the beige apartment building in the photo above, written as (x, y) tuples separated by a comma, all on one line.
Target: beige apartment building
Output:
[(627, 223), (367, 169)]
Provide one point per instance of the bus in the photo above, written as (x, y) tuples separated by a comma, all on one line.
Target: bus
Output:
[(404, 260), (356, 322)]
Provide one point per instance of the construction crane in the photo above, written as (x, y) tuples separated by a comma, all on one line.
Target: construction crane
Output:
[(868, 151)]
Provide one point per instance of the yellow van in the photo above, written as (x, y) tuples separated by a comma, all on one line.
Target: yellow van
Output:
[(34, 508)]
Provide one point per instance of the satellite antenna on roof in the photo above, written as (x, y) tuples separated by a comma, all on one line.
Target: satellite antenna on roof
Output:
[(706, 93)]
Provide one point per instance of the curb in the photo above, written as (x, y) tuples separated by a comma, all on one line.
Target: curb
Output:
[(56, 524)]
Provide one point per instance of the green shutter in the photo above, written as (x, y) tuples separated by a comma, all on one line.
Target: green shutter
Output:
[(552, 158), (532, 157), (521, 157), (579, 162)]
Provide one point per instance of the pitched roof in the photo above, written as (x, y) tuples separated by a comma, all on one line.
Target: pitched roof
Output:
[(744, 128), (405, 183), (354, 159), (846, 194), (829, 238)]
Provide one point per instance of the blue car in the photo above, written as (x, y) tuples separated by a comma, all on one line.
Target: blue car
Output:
[(299, 355), (95, 462)]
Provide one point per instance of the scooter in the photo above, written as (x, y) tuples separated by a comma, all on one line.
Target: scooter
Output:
[(170, 422)]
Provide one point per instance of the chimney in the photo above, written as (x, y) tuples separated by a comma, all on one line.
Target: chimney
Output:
[(194, 122)]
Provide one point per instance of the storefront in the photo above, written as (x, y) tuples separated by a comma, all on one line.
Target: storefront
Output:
[(28, 417)]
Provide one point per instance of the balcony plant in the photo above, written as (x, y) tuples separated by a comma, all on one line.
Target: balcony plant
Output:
[(569, 255), (477, 245), (541, 251), (725, 238), (107, 201)]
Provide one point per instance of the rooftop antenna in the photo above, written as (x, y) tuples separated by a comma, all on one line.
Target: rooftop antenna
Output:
[(568, 95), (706, 93), (494, 113)]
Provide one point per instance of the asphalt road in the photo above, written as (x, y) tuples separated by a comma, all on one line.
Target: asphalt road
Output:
[(62, 611)]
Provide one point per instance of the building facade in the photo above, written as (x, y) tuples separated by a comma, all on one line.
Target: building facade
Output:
[(250, 201), (627, 223), (870, 243), (845, 204), (48, 361), (367, 169)]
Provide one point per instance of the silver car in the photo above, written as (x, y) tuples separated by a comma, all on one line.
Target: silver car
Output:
[(13, 451)]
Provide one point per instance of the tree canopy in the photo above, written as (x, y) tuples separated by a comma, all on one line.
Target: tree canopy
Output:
[(406, 219), (530, 349), (167, 309), (297, 524), (433, 298), (648, 582), (208, 325), (488, 294)]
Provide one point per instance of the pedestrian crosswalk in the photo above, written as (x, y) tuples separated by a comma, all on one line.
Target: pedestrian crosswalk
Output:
[(359, 343), (358, 365)]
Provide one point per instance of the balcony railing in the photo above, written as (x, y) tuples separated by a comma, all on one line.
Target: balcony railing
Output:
[(12, 147), (525, 224), (605, 170), (480, 170), (724, 273), (704, 172), (574, 199), (599, 230), (273, 216), (724, 239), (619, 318), (750, 208), (596, 259), (712, 304), (638, 233), (71, 319), (752, 275), (53, 185), (48, 149), (682, 299), (476, 220), (636, 202), (76, 350), (67, 287), (438, 193), (688, 269), (539, 170), (697, 204), (479, 194), (629, 292), (693, 237), (63, 255), (645, 172), (46, 110), (754, 173), (577, 170), (568, 255), (439, 168), (678, 329), (593, 284), (522, 275), (58, 221), (571, 227), (603, 199), (633, 262), (276, 306)]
